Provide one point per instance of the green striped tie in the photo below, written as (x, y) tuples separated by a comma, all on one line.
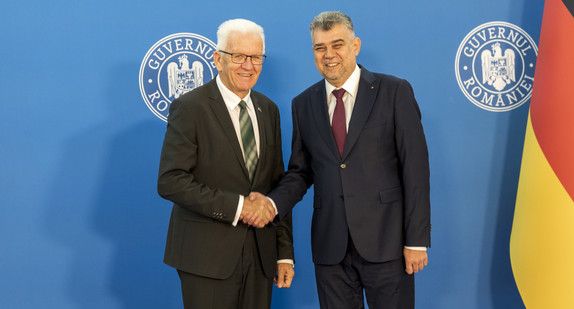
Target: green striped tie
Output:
[(248, 139)]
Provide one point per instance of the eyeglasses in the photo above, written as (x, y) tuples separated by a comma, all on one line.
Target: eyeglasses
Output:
[(241, 58)]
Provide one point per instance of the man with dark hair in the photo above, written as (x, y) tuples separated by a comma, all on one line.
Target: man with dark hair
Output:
[(358, 138)]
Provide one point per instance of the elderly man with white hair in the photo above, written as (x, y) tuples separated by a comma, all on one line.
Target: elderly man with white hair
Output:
[(223, 140)]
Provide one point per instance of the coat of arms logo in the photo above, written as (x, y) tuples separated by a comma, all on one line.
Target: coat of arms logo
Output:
[(182, 78), (498, 69), (173, 66), (495, 65)]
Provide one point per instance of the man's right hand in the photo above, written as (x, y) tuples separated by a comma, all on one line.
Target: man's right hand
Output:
[(257, 210)]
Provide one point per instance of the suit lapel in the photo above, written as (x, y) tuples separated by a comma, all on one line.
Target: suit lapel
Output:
[(363, 106), (263, 125), (321, 115), (222, 114)]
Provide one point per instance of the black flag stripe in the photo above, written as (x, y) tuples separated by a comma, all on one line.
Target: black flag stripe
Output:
[(570, 6)]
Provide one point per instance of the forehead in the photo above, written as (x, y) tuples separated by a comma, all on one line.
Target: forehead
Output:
[(336, 33), (244, 42)]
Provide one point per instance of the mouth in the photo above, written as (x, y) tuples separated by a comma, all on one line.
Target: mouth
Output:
[(330, 65)]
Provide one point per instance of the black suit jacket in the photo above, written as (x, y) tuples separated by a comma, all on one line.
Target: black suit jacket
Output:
[(202, 171), (379, 190)]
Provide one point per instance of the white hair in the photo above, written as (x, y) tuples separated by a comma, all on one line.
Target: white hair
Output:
[(243, 26)]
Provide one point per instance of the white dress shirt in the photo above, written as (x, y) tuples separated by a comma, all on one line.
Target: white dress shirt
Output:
[(232, 102), (351, 87)]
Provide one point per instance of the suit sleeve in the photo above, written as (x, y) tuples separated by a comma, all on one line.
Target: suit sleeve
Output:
[(176, 181), (413, 159), (284, 229), (298, 178)]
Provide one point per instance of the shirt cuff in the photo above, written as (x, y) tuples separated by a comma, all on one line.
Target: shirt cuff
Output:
[(274, 206), (286, 261), (416, 248), (239, 209)]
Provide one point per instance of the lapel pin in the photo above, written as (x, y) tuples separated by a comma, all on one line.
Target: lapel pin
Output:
[(259, 109)]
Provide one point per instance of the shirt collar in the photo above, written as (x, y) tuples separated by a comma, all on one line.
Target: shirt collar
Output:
[(351, 85), (230, 98)]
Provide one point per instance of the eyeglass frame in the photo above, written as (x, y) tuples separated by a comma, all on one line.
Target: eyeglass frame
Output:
[(245, 57)]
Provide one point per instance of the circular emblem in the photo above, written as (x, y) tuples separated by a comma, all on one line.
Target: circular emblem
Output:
[(494, 66), (173, 66)]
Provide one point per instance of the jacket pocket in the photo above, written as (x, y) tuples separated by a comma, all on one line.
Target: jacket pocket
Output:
[(391, 195)]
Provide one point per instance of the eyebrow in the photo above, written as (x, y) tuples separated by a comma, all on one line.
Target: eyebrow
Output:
[(332, 42)]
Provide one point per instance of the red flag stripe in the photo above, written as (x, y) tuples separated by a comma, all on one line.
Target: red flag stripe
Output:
[(552, 103)]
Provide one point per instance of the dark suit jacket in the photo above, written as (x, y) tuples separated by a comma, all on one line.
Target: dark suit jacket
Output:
[(379, 190), (202, 171)]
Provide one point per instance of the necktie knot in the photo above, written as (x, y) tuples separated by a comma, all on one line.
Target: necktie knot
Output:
[(243, 105), (339, 93)]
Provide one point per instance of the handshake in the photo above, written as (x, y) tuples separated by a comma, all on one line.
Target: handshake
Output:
[(257, 210)]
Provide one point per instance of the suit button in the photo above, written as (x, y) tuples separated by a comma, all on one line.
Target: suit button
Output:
[(343, 165)]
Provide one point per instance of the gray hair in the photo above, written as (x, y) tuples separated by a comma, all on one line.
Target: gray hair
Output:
[(326, 20), (243, 26)]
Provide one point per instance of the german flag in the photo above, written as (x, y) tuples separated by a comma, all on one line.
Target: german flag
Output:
[(542, 240)]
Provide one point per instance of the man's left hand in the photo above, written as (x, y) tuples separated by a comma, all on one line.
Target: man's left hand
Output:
[(285, 274), (415, 260)]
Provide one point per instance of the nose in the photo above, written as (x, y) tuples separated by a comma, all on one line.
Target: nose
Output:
[(329, 53), (248, 65)]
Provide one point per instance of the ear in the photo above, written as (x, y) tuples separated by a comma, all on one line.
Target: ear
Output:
[(356, 46), (218, 61)]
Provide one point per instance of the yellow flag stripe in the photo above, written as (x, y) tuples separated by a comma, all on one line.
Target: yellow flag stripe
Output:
[(542, 240)]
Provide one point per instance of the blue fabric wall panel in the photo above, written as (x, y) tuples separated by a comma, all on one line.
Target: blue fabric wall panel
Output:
[(81, 224)]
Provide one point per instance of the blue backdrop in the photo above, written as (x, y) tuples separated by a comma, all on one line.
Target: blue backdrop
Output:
[(81, 224)]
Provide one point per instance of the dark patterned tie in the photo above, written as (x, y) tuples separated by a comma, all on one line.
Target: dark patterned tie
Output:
[(248, 139), (339, 122)]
